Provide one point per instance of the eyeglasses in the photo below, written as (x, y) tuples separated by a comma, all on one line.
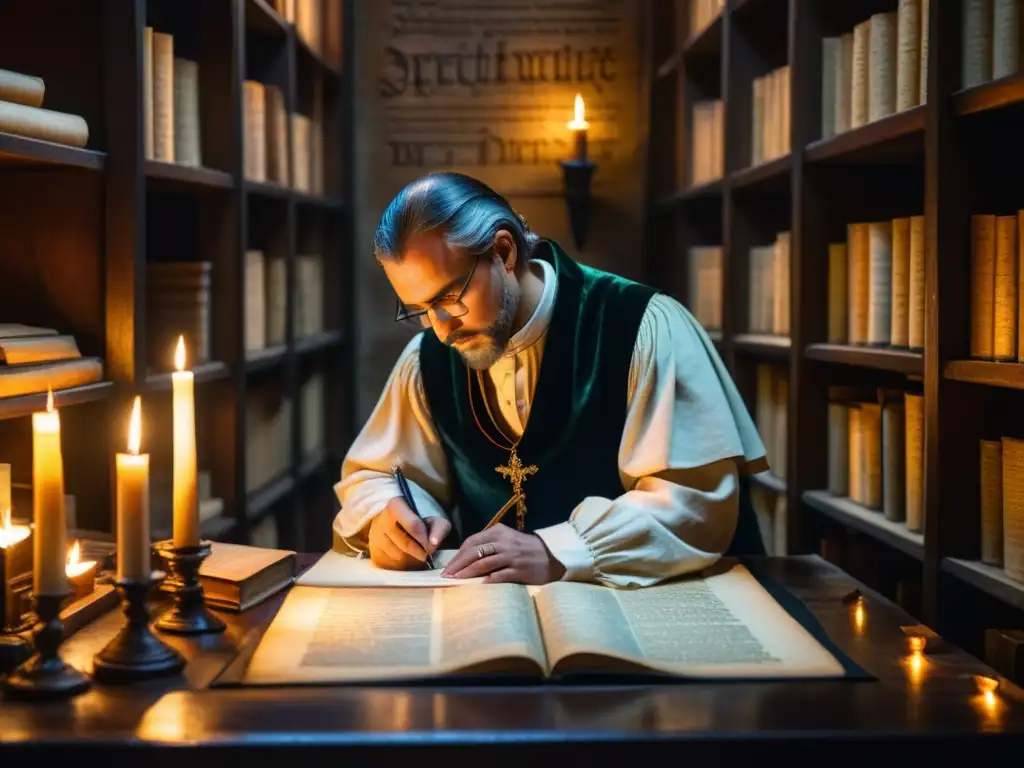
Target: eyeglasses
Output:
[(443, 308)]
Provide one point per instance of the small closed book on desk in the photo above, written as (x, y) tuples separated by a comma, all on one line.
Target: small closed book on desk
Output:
[(236, 577), (720, 625)]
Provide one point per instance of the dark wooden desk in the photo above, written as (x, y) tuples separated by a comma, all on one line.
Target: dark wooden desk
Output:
[(931, 712)]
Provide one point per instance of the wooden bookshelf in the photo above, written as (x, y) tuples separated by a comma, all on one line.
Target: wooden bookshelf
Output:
[(945, 159), (82, 224)]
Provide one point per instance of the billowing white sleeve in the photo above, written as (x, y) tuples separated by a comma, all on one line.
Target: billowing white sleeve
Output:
[(400, 430), (685, 438)]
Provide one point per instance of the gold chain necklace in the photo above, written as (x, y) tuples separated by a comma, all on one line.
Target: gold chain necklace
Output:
[(514, 471)]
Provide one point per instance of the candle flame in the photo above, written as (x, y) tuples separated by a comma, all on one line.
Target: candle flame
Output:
[(75, 554), (49, 400), (179, 354), (579, 121), (916, 643), (135, 426)]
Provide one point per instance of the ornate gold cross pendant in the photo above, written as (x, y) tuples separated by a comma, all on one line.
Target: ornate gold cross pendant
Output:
[(516, 473)]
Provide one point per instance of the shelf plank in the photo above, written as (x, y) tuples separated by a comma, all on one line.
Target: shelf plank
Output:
[(260, 16), (268, 189), (707, 42), (1004, 92), (878, 358), (763, 344), (21, 151), (318, 341), (209, 371), (884, 136), (707, 190), (1009, 375), (867, 522), (989, 579), (177, 174), (303, 47), (769, 173), (260, 501), (25, 405), (320, 201), (769, 481), (262, 359)]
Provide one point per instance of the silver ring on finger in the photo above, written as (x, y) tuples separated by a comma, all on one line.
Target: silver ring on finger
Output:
[(484, 550)]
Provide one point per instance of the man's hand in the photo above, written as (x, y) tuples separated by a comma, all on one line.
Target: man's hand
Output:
[(400, 541), (505, 555)]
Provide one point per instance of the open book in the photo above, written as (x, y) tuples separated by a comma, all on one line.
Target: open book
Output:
[(337, 570), (723, 624)]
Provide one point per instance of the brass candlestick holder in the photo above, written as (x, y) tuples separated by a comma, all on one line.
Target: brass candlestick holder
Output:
[(189, 615), (46, 676), (136, 653)]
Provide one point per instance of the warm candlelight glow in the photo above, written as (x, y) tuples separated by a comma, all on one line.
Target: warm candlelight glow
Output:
[(135, 427), (916, 643), (987, 702), (579, 122), (76, 566), (916, 665), (986, 685), (49, 400), (179, 354), (860, 617), (11, 534)]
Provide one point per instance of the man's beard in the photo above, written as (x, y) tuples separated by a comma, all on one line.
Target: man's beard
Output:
[(497, 334)]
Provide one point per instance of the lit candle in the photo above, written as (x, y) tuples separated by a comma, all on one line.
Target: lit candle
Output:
[(81, 573), (11, 534), (50, 547), (578, 125), (133, 544), (5, 492), (186, 498)]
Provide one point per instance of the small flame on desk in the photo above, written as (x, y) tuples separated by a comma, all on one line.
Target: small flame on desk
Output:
[(11, 534), (74, 556), (916, 643), (987, 702), (49, 400)]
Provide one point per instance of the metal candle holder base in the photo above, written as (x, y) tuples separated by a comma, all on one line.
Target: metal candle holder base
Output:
[(576, 176), (189, 616), (136, 653), (46, 676)]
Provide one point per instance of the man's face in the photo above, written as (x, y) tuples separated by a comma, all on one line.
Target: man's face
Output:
[(476, 322)]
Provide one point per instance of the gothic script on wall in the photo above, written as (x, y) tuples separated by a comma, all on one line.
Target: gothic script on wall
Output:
[(486, 87)]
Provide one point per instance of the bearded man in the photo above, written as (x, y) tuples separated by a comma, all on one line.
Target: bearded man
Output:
[(600, 401)]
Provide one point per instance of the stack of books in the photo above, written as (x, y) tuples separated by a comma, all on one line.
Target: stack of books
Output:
[(34, 359), (178, 304), (22, 113)]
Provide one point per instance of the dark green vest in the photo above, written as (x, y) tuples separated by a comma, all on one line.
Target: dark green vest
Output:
[(578, 411)]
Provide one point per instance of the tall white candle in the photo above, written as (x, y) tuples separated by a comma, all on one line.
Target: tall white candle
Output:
[(50, 547), (133, 544), (185, 472)]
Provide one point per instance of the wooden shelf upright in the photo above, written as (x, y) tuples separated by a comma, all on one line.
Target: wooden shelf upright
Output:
[(81, 225), (953, 155)]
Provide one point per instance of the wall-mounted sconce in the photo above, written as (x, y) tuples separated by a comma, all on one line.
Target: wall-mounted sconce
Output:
[(577, 174)]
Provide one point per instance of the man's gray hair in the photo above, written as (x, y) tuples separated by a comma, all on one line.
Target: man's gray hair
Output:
[(466, 212)]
